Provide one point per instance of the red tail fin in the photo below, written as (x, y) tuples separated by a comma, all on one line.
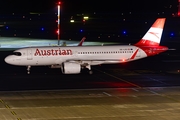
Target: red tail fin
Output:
[(153, 35)]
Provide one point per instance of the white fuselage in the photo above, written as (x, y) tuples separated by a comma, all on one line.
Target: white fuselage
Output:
[(92, 55)]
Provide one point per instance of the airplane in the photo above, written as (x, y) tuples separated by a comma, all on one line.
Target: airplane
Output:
[(73, 59)]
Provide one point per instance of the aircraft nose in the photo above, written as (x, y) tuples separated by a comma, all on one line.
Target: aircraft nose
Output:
[(8, 59)]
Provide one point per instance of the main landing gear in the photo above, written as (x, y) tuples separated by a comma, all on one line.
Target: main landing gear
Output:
[(90, 72), (88, 69), (28, 69)]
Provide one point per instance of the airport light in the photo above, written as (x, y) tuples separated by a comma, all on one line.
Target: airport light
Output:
[(172, 34), (124, 32), (81, 30), (178, 8), (58, 31), (42, 29), (72, 21), (85, 17)]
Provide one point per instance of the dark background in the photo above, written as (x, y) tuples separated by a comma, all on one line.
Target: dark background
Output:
[(121, 21)]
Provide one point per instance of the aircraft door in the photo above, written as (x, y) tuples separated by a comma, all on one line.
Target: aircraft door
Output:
[(75, 53), (29, 54)]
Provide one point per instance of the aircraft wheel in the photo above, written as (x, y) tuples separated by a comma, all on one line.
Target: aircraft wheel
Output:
[(90, 72)]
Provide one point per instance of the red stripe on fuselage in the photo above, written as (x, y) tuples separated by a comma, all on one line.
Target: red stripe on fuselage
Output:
[(133, 56)]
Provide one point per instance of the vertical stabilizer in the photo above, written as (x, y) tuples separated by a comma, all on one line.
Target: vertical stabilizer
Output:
[(153, 35)]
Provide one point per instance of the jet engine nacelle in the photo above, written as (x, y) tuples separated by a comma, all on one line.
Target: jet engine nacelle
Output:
[(70, 68)]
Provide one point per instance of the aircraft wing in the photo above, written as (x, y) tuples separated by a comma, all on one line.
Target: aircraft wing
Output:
[(96, 62)]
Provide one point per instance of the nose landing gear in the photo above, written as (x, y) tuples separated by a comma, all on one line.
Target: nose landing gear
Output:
[(28, 69)]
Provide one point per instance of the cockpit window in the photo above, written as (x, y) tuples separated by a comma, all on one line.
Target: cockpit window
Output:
[(17, 53)]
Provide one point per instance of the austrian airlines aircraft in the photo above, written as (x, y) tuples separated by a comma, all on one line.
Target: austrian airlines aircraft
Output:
[(72, 59)]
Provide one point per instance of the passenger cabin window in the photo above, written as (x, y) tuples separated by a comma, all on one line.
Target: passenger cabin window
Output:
[(17, 53)]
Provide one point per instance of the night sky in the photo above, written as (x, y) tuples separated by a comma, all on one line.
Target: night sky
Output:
[(87, 6), (106, 18)]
